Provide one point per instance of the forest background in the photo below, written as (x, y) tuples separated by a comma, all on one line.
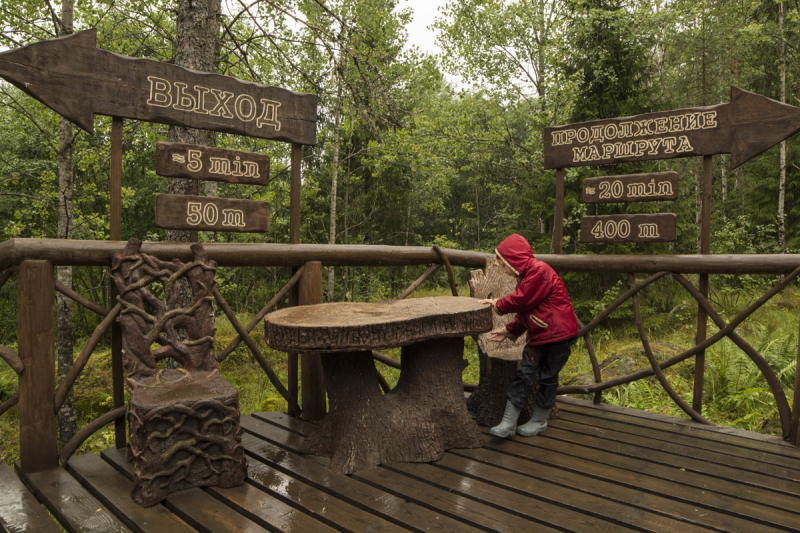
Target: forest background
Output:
[(405, 157)]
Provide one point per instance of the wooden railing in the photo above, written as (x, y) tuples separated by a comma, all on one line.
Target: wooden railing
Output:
[(39, 400)]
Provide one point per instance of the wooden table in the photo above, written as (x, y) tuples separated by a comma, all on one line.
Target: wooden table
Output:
[(425, 414)]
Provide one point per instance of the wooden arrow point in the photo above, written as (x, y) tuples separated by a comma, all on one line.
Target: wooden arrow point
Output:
[(758, 124)]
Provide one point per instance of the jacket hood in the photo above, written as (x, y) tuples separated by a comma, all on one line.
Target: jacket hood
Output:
[(515, 252)]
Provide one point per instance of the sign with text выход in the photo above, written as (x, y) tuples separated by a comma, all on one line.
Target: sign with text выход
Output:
[(77, 80), (658, 227), (630, 188), (745, 127), (215, 164), (185, 212)]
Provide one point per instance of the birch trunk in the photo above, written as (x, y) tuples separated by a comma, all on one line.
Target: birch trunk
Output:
[(66, 415)]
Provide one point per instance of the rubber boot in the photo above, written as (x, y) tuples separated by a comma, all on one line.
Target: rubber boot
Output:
[(508, 425), (536, 424)]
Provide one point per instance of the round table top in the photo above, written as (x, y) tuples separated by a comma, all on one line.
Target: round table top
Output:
[(372, 325)]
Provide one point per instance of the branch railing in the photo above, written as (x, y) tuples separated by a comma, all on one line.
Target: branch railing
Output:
[(18, 252)]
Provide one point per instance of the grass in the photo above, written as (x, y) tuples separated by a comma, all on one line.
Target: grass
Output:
[(735, 394)]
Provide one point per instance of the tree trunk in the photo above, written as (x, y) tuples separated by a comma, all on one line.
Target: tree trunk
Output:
[(337, 122), (197, 45), (66, 415)]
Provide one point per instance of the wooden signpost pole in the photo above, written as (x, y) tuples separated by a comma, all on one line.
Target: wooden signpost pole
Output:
[(294, 238), (558, 222), (702, 317), (115, 234)]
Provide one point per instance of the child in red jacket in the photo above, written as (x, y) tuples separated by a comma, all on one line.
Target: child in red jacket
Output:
[(542, 308)]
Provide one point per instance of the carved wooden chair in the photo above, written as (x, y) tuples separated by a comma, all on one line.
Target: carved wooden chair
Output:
[(498, 360), (183, 423)]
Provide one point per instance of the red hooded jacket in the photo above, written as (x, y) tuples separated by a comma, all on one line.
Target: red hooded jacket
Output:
[(540, 299)]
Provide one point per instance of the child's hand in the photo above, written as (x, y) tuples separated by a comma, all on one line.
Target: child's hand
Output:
[(489, 301), (498, 335)]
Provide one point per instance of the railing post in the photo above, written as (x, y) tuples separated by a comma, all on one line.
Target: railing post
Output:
[(794, 427), (312, 382), (36, 344), (702, 316)]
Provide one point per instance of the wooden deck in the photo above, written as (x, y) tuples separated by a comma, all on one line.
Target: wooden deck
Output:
[(595, 469)]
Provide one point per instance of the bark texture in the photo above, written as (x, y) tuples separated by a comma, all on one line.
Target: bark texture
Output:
[(358, 325), (418, 421), (197, 45)]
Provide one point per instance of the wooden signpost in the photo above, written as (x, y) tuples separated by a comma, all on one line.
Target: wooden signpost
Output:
[(656, 227), (744, 128), (178, 211), (215, 164), (77, 80), (630, 188)]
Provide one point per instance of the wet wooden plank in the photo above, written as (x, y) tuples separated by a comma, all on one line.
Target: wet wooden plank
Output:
[(628, 497), (579, 512), (263, 440), (72, 505), (637, 473), (481, 504), (194, 506), (19, 509), (248, 501), (675, 455), (747, 454), (664, 512), (748, 439), (114, 490)]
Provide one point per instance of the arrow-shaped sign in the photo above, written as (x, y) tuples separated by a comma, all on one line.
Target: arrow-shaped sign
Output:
[(744, 128), (75, 79)]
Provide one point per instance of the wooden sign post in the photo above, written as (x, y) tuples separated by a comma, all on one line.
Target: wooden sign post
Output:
[(744, 128)]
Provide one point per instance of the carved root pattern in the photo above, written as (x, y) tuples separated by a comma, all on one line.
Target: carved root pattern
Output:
[(133, 273), (417, 421), (184, 443)]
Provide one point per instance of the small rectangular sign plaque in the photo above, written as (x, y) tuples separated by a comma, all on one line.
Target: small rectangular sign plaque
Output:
[(177, 211), (630, 188), (208, 163), (658, 227)]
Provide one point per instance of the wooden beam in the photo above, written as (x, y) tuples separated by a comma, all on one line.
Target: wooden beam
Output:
[(36, 294), (96, 253), (312, 382)]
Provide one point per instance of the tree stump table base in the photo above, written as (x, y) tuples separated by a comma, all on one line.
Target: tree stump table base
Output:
[(366, 428)]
